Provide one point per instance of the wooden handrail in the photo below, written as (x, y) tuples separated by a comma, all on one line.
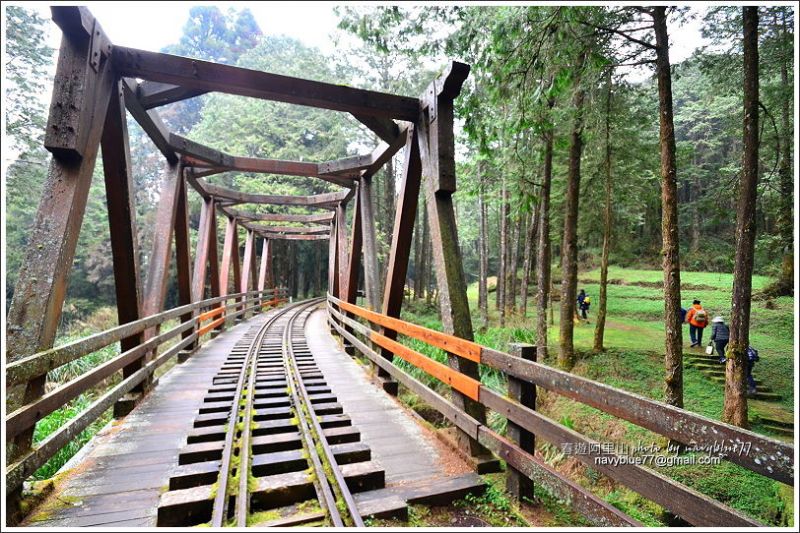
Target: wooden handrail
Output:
[(688, 503), (26, 465), (455, 345), (41, 363), (599, 511), (763, 455)]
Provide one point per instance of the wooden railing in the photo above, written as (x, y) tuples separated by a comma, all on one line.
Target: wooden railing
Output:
[(191, 328), (765, 456)]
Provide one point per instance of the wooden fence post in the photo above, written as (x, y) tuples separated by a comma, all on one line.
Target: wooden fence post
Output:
[(517, 483), (437, 149)]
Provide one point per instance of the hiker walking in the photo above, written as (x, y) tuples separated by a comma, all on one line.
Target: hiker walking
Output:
[(697, 317), (752, 357), (583, 304), (720, 333)]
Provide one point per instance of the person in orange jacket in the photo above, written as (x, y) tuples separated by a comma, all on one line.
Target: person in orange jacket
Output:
[(697, 317)]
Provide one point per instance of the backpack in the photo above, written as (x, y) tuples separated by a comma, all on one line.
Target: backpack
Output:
[(700, 316), (752, 354), (587, 301)]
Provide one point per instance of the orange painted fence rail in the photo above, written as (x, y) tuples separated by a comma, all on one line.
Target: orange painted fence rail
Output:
[(763, 455), (39, 364)]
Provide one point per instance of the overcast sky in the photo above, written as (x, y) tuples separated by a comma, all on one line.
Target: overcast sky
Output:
[(152, 25)]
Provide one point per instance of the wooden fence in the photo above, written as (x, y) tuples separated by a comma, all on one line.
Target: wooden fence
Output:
[(765, 456), (192, 327)]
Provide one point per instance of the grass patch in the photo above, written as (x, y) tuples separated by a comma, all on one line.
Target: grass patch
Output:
[(634, 362)]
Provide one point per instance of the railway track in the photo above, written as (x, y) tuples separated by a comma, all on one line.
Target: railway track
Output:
[(270, 445)]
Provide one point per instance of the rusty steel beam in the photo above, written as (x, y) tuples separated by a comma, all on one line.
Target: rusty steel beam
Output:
[(341, 243), (279, 237), (402, 234), (386, 129), (278, 217), (307, 230), (265, 270), (149, 120), (206, 76), (229, 248), (154, 94), (158, 272), (183, 256), (384, 153), (120, 196), (204, 241), (354, 256), (435, 134), (81, 93), (371, 278), (249, 263), (326, 200), (348, 164), (80, 77)]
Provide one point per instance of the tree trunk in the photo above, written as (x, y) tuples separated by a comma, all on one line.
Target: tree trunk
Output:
[(425, 244), (418, 257), (501, 274), (527, 263), (292, 269), (599, 329), (543, 252), (317, 271), (784, 286), (694, 247), (511, 300), (427, 255), (735, 407), (673, 357), (483, 293), (569, 247)]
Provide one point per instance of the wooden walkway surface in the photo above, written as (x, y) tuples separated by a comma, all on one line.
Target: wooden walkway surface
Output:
[(117, 483)]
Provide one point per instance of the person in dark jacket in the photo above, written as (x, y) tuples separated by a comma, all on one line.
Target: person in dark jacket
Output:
[(752, 357), (720, 333), (583, 304)]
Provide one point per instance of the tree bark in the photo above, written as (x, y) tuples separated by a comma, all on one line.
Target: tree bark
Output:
[(501, 273), (527, 263), (483, 292), (543, 252), (425, 263), (735, 407), (569, 247), (694, 246), (418, 259), (511, 302), (784, 286), (673, 357), (599, 329)]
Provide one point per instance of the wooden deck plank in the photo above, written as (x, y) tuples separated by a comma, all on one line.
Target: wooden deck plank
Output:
[(118, 482), (398, 442)]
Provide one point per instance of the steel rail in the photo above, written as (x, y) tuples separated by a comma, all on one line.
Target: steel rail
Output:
[(220, 506), (339, 480), (325, 495)]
